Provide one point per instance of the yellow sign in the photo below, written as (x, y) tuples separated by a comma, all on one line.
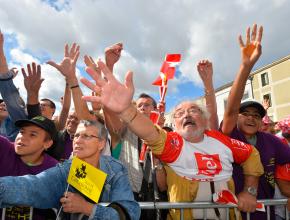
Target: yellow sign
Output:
[(86, 178)]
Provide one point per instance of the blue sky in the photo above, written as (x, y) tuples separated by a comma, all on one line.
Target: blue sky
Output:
[(37, 31)]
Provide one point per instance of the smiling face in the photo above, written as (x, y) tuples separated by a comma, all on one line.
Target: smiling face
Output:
[(190, 121), (249, 121)]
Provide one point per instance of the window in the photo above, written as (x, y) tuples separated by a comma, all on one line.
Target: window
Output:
[(265, 79), (267, 97)]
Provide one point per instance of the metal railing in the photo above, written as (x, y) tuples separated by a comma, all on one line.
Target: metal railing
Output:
[(209, 205)]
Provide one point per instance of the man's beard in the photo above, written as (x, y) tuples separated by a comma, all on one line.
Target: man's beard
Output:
[(188, 135)]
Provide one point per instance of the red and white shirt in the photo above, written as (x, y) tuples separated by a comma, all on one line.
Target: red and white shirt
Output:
[(209, 160)]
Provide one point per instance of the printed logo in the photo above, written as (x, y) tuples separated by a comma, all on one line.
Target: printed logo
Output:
[(208, 164), (81, 172)]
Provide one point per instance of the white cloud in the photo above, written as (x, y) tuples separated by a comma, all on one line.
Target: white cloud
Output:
[(149, 30)]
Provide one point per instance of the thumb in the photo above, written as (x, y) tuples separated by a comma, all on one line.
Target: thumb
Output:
[(129, 80), (52, 63)]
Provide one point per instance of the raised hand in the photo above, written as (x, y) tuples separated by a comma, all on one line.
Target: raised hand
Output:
[(67, 67), (266, 104), (252, 49), (110, 92), (32, 80), (205, 70), (3, 62), (112, 54)]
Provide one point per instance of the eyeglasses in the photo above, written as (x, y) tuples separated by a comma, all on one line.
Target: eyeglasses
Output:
[(85, 137), (191, 111), (256, 116)]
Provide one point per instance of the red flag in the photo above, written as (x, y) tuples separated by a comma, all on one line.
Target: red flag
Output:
[(157, 82), (167, 70), (227, 197), (173, 58)]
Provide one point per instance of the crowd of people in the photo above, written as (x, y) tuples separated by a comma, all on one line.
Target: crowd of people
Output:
[(109, 130)]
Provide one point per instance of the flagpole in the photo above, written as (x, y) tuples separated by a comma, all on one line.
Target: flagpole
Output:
[(61, 206)]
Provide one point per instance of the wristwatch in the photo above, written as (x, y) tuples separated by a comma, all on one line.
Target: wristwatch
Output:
[(252, 190)]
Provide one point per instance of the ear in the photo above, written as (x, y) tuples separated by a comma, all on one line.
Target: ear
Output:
[(102, 144), (48, 144)]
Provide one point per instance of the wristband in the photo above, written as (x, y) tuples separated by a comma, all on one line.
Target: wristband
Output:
[(72, 87)]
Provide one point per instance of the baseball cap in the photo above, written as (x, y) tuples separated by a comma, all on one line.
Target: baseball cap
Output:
[(40, 121), (255, 105)]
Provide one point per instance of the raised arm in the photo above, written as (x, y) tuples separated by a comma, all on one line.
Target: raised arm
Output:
[(67, 68), (32, 84), (117, 98), (205, 70), (8, 90), (250, 52), (115, 126)]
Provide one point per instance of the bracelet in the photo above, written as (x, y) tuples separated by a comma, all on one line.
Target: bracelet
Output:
[(72, 87)]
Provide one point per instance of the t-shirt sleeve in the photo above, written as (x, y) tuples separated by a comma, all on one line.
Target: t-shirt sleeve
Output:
[(244, 154), (6, 148), (240, 150), (283, 172), (168, 147)]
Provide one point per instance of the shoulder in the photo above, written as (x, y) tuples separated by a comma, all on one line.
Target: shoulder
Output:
[(110, 164), (49, 161), (270, 139)]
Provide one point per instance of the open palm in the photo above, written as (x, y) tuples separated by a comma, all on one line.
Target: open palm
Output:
[(110, 92)]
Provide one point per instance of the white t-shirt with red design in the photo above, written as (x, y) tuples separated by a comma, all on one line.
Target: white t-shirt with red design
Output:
[(209, 160)]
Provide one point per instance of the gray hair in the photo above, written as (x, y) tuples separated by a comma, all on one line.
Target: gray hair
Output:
[(102, 131), (204, 112)]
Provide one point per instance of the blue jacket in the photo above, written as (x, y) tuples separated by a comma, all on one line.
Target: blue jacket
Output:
[(45, 189), (14, 104)]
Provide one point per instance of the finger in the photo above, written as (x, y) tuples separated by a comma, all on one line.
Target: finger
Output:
[(55, 65), (33, 68), (75, 59), (90, 85), (248, 36), (260, 34), (38, 71), (66, 53), (72, 50), (241, 42), (29, 70), (254, 32), (129, 81), (92, 60), (92, 99), (24, 73), (108, 74), (87, 61), (96, 75)]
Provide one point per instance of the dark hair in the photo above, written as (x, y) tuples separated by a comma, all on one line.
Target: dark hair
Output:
[(52, 104), (146, 96)]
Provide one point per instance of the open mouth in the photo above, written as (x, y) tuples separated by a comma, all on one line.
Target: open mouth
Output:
[(189, 123)]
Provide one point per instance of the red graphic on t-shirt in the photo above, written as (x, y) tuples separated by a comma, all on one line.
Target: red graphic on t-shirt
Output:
[(208, 164)]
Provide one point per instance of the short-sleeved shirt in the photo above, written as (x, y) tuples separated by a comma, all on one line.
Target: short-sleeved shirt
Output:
[(272, 152), (12, 165)]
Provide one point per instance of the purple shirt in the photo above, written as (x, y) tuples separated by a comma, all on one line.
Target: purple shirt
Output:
[(12, 165), (272, 151)]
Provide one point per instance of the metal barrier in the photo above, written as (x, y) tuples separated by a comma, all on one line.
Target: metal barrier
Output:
[(209, 205)]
